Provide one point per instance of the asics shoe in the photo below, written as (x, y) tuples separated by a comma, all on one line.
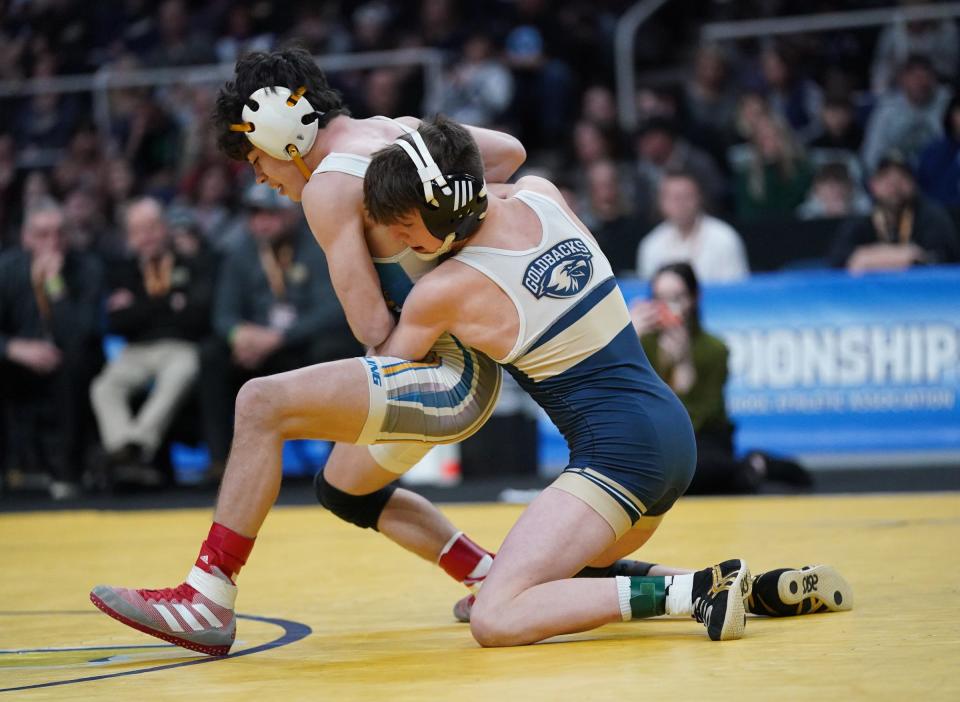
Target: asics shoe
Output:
[(719, 598), (786, 592), (181, 615)]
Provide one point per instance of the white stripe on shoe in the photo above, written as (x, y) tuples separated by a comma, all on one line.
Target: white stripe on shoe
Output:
[(187, 616), (205, 612), (168, 617)]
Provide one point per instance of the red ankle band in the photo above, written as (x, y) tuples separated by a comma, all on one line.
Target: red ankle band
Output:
[(461, 557), (225, 549)]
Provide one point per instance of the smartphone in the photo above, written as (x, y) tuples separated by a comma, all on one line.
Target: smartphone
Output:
[(667, 317)]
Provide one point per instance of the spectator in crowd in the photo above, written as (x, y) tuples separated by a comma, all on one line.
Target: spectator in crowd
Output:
[(36, 191), (904, 229), (660, 148), (186, 237), (119, 185), (938, 173), (319, 29), (909, 119), (543, 82), (711, 98), (159, 301), (241, 35), (382, 94), (591, 143), (694, 364), (608, 217), (773, 181), (478, 89), (211, 207), (149, 137), (192, 106), (87, 228), (49, 350), (274, 310), (440, 25), (10, 184), (12, 45), (795, 98), (46, 120), (598, 106), (81, 162), (179, 42), (834, 195), (839, 129), (752, 108), (936, 40), (661, 101), (371, 26), (688, 234)]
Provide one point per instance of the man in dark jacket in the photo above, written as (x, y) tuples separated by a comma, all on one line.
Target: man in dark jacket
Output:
[(904, 228), (274, 310), (159, 301), (49, 350)]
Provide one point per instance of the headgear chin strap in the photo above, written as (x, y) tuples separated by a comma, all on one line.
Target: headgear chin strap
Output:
[(281, 123), (444, 248), (453, 205)]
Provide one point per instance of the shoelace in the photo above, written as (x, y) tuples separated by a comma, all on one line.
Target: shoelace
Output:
[(700, 609), (180, 592)]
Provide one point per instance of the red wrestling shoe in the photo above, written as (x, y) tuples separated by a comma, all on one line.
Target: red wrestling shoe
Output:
[(198, 614)]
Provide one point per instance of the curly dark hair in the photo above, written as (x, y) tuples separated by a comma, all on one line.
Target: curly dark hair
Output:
[(290, 68), (392, 188)]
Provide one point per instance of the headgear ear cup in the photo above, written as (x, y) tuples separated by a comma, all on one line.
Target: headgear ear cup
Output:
[(454, 204), (281, 123)]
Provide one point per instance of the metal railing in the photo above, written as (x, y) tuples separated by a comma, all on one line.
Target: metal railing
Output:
[(624, 43), (109, 78), (826, 22), (630, 22)]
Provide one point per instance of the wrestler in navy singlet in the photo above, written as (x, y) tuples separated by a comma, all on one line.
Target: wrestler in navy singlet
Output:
[(632, 449)]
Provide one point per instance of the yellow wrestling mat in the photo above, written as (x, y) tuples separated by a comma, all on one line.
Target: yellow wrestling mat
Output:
[(330, 612)]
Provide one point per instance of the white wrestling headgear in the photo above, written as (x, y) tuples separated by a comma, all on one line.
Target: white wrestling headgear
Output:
[(281, 123)]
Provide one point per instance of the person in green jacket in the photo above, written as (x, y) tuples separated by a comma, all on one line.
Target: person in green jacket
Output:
[(694, 364)]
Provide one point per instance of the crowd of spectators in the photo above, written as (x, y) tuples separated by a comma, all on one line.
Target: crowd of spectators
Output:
[(174, 310), (116, 213)]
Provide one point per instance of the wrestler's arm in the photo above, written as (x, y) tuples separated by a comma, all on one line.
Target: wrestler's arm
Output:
[(428, 312), (332, 211), (502, 153)]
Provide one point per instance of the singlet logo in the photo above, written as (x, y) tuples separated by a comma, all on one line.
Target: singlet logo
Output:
[(563, 271), (374, 371)]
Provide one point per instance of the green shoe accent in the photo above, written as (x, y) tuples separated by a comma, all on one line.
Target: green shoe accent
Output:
[(648, 596)]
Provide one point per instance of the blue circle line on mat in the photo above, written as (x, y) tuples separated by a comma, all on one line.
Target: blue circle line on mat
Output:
[(292, 632)]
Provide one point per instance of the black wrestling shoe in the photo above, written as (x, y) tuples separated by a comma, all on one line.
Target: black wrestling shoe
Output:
[(719, 598), (787, 592)]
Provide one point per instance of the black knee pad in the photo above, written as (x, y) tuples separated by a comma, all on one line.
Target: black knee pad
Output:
[(362, 510), (621, 567)]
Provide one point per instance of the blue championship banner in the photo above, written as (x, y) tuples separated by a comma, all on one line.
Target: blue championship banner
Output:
[(837, 370)]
